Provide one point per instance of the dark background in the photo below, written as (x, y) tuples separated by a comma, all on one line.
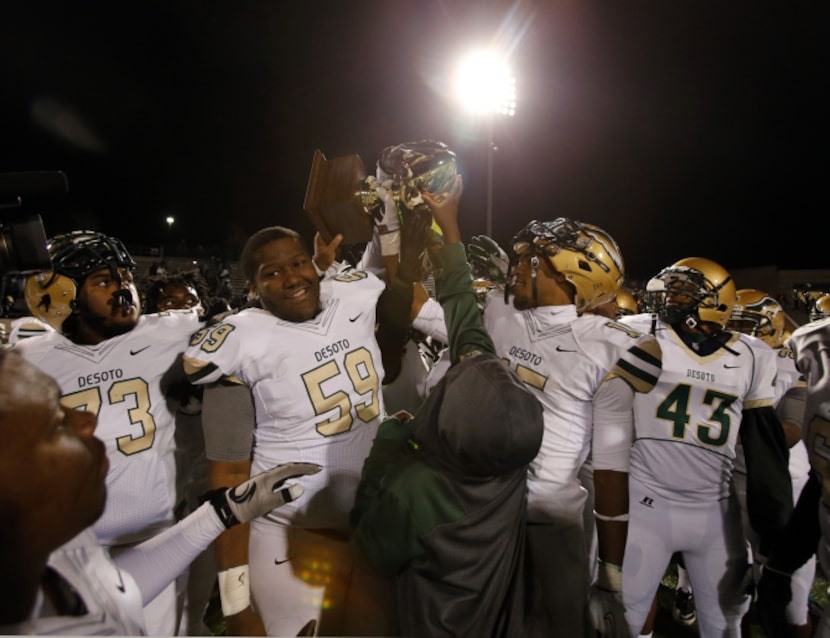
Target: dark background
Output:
[(682, 127)]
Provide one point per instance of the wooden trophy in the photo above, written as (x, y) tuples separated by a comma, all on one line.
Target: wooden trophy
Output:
[(333, 198)]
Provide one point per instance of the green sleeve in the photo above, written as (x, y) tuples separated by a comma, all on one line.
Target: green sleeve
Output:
[(399, 499), (388, 448), (465, 324)]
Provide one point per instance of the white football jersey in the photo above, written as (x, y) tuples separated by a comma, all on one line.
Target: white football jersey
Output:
[(26, 327), (565, 358), (120, 380), (316, 388), (109, 595), (811, 345), (787, 375), (687, 427)]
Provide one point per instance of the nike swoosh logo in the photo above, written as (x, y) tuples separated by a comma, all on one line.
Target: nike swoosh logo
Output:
[(356, 318), (244, 496), (280, 562), (730, 367), (561, 349), (135, 352), (120, 586)]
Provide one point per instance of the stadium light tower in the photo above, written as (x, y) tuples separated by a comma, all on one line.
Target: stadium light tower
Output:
[(486, 86), (170, 220)]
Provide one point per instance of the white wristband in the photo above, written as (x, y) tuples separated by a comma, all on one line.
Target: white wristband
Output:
[(609, 576), (390, 243), (234, 589), (623, 518)]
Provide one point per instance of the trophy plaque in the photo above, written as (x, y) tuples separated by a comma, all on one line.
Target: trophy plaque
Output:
[(333, 200)]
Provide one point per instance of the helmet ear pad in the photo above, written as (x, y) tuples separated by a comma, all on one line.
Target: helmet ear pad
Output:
[(51, 297)]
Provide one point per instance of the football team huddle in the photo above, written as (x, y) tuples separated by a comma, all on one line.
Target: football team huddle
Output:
[(414, 437)]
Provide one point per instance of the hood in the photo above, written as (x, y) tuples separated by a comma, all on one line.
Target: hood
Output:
[(479, 420)]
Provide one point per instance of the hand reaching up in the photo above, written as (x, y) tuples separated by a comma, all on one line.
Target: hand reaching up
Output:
[(445, 210)]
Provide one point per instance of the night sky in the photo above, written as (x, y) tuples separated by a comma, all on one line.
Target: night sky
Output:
[(682, 127)]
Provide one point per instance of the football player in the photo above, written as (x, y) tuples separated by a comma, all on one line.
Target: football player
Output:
[(758, 314), (585, 370), (714, 383), (809, 527), (182, 291), (626, 303), (313, 363), (622, 304), (53, 473), (110, 359), (175, 291)]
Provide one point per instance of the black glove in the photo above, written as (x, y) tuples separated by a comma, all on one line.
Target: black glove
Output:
[(259, 494), (415, 238), (774, 593), (488, 260)]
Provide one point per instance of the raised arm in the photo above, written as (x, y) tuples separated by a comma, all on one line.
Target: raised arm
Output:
[(454, 284)]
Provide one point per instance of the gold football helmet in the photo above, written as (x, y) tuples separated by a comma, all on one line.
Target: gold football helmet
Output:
[(756, 313), (585, 254), (51, 295), (626, 303), (820, 309), (692, 290)]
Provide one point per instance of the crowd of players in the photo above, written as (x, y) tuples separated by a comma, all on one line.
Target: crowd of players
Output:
[(434, 492)]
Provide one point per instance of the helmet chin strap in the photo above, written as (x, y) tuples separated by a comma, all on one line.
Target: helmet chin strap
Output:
[(694, 323), (534, 268)]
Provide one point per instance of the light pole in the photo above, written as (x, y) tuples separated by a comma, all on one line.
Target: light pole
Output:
[(170, 220), (486, 86), (491, 156)]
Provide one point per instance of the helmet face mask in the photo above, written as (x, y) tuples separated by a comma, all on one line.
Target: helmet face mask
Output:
[(584, 254), (691, 291), (52, 296)]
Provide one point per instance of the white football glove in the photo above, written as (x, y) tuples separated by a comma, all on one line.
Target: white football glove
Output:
[(389, 225), (606, 611), (260, 494), (607, 614), (390, 220)]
